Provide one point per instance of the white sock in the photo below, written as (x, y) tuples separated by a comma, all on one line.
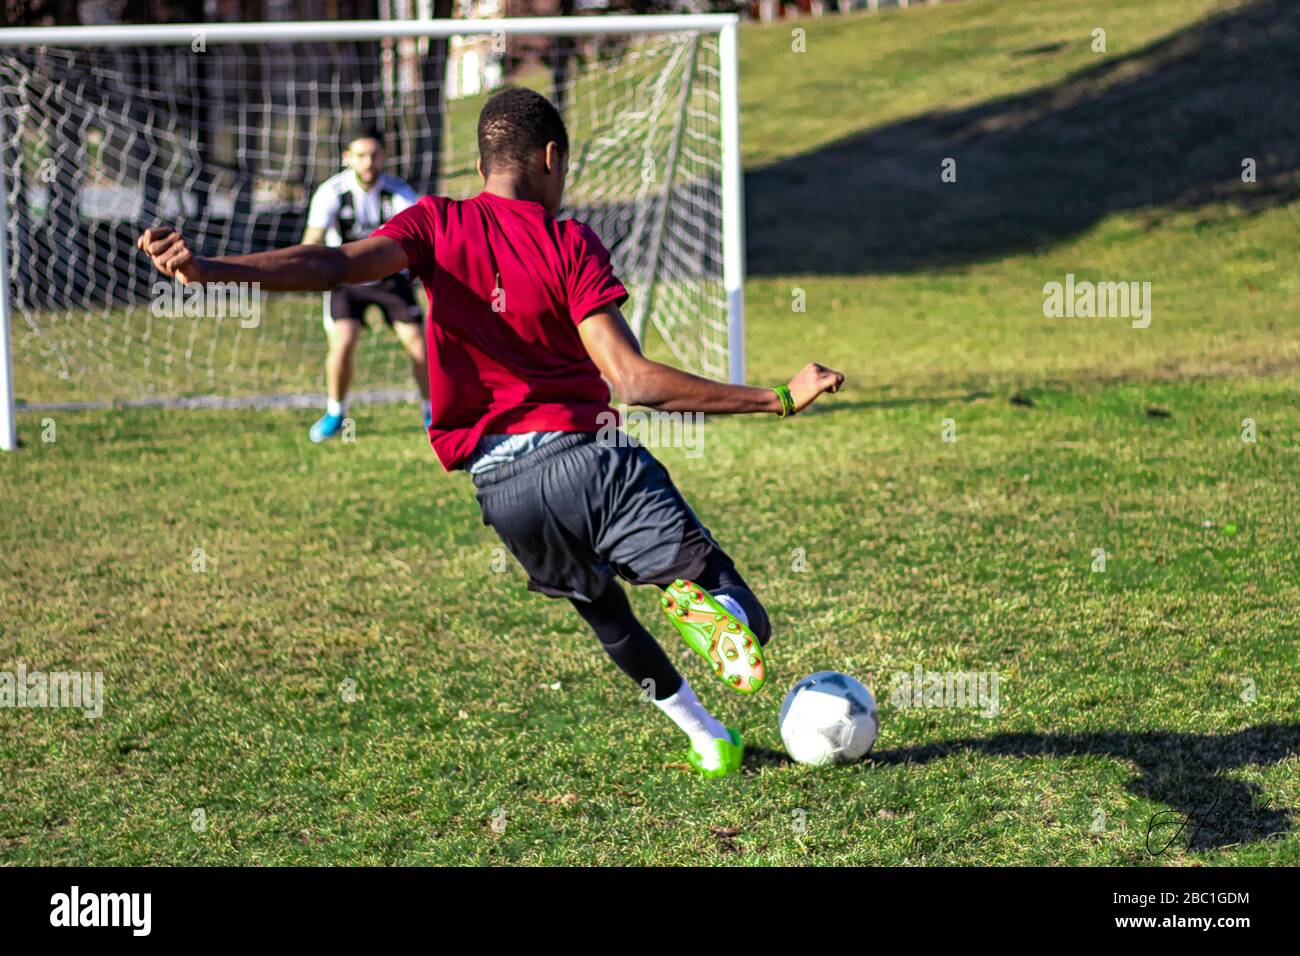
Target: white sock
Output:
[(732, 605), (425, 406), (336, 408), (686, 711)]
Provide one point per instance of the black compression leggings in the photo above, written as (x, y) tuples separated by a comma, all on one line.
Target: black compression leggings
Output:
[(633, 648)]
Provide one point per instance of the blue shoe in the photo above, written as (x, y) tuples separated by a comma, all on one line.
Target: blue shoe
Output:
[(428, 419), (326, 428)]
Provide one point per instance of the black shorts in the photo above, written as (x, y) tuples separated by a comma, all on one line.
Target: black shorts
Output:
[(576, 512), (393, 295)]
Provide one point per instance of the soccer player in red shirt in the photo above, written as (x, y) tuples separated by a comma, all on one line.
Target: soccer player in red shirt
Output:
[(524, 332)]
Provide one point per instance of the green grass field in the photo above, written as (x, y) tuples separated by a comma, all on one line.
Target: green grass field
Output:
[(488, 726)]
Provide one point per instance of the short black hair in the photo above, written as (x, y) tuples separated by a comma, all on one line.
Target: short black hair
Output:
[(363, 131), (515, 123)]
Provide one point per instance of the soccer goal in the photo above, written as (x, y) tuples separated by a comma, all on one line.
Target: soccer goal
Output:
[(225, 130)]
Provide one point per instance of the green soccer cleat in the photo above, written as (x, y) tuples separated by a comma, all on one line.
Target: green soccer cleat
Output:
[(720, 758), (719, 637)]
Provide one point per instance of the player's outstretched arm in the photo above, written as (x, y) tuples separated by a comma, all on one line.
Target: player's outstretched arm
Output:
[(641, 381), (302, 268)]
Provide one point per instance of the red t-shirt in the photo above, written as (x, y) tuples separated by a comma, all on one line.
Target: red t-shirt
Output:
[(508, 285)]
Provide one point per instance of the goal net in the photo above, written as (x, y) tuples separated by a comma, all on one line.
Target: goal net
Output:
[(225, 131)]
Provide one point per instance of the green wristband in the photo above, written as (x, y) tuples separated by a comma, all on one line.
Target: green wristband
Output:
[(787, 402)]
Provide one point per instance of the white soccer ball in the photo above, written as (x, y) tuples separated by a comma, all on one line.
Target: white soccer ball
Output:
[(828, 717)]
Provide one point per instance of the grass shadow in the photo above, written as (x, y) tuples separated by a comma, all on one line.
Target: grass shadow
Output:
[(1183, 771), (1165, 127)]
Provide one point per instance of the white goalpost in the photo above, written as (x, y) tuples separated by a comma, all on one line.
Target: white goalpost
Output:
[(225, 130)]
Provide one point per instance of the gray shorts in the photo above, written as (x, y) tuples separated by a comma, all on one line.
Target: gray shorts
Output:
[(577, 512)]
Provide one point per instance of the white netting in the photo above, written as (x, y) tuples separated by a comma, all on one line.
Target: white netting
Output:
[(229, 143)]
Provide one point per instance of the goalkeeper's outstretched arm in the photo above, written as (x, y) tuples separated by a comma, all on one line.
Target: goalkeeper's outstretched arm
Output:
[(302, 268)]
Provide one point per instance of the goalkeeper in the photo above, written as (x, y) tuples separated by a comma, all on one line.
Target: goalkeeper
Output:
[(523, 322), (346, 207)]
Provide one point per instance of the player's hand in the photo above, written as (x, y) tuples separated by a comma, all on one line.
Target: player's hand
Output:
[(811, 382), (170, 255)]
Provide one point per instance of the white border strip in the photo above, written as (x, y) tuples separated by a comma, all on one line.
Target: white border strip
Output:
[(183, 34)]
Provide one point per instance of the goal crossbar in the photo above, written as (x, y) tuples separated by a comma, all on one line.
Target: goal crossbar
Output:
[(179, 34)]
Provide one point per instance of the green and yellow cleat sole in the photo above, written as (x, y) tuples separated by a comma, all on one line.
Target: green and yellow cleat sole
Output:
[(710, 630), (720, 758)]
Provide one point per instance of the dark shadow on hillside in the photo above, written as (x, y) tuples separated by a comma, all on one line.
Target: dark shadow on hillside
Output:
[(1167, 126), (1184, 772)]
